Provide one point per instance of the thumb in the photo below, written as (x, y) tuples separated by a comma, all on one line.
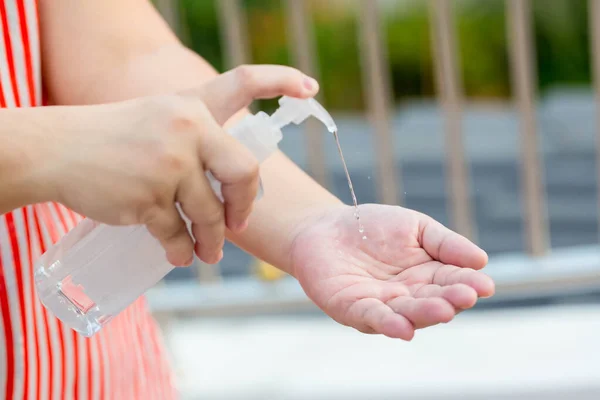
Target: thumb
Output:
[(449, 247), (236, 89)]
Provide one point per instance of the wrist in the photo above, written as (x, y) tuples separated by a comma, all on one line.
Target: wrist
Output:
[(56, 125), (275, 225), (27, 157), (308, 218)]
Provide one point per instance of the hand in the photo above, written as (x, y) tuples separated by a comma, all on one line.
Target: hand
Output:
[(131, 162), (410, 273)]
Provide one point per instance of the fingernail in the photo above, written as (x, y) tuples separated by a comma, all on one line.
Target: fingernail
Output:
[(219, 257), (310, 84), (242, 226), (184, 264)]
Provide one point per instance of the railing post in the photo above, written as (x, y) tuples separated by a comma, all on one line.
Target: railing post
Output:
[(233, 33), (594, 18), (302, 46), (376, 83), (449, 87), (523, 83), (170, 12)]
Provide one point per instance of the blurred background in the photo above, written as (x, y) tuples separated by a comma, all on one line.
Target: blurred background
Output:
[(482, 114)]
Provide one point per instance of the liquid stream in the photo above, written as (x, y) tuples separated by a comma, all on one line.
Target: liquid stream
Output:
[(361, 229)]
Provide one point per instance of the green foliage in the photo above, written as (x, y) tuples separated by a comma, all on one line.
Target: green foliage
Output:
[(201, 29), (562, 41), (408, 35), (338, 61), (268, 37), (482, 41), (560, 31)]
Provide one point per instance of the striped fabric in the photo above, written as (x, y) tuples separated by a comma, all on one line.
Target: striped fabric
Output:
[(39, 357)]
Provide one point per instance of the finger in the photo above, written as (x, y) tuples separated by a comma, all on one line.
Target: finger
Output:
[(445, 275), (237, 88), (451, 274), (350, 291), (200, 204), (168, 227), (449, 247), (372, 315), (232, 164), (423, 312), (459, 295)]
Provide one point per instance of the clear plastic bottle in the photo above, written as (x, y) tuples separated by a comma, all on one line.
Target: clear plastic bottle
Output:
[(96, 270)]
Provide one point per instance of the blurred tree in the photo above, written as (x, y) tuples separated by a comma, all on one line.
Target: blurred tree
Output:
[(199, 20), (338, 59), (408, 36), (561, 34), (268, 37), (562, 42), (482, 39)]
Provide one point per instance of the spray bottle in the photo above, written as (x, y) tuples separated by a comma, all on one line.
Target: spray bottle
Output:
[(96, 270)]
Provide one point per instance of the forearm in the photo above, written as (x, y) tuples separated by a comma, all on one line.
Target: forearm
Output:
[(166, 68), (23, 171)]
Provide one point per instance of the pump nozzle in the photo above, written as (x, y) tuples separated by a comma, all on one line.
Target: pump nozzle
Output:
[(297, 110), (260, 132)]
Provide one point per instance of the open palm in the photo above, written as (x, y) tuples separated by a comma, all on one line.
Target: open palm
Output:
[(409, 273)]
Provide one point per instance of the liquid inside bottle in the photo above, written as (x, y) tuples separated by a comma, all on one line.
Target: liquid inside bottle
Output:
[(97, 272)]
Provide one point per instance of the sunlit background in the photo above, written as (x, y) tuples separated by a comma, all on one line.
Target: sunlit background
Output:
[(480, 113)]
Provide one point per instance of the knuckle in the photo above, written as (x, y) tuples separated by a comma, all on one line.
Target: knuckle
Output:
[(162, 225), (172, 162), (159, 193), (207, 238), (169, 147), (148, 215), (148, 205), (162, 107), (246, 77), (246, 167), (181, 122), (243, 209), (250, 169), (184, 118), (174, 235), (181, 113), (214, 217)]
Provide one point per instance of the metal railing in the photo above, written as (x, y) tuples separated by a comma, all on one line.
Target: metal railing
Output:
[(376, 82), (518, 14), (449, 85)]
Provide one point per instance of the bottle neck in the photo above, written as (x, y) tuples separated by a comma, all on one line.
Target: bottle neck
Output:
[(280, 118)]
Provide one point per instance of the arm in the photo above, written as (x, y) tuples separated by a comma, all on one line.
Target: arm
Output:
[(20, 166), (412, 272), (117, 59)]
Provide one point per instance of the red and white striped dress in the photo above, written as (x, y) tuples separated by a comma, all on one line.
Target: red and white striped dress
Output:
[(39, 357)]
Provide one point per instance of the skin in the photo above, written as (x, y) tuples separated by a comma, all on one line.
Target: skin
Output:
[(145, 155), (410, 273)]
